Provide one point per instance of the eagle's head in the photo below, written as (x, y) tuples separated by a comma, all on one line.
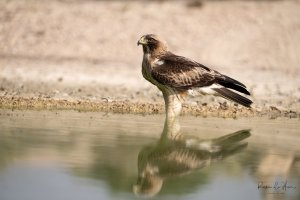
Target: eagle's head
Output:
[(152, 44)]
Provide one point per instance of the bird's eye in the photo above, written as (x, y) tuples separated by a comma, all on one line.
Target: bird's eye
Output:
[(151, 40)]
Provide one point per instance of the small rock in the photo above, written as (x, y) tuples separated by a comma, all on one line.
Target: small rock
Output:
[(107, 99), (195, 4), (224, 105), (274, 108)]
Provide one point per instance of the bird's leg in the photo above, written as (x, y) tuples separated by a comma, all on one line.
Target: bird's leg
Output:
[(173, 104), (173, 107)]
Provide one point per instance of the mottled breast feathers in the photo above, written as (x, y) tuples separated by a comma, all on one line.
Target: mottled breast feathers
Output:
[(181, 73)]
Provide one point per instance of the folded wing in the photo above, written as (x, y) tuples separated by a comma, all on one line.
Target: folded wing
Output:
[(182, 74)]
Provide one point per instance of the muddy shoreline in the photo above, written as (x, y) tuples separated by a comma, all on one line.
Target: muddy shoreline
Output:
[(223, 110), (61, 55)]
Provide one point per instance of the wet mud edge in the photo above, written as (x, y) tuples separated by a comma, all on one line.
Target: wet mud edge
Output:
[(224, 111)]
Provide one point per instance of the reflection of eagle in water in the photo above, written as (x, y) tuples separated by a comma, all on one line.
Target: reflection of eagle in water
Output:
[(174, 74), (178, 157)]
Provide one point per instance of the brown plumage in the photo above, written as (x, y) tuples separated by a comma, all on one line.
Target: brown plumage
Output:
[(176, 74)]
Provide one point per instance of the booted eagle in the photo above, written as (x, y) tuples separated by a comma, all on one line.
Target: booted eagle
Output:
[(176, 76)]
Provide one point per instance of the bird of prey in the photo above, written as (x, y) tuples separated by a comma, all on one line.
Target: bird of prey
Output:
[(177, 76)]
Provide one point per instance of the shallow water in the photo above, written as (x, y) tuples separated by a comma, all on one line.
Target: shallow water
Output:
[(71, 155)]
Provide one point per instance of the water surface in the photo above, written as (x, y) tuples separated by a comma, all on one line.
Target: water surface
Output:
[(73, 155)]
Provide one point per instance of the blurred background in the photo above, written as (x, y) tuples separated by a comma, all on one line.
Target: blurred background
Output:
[(86, 49)]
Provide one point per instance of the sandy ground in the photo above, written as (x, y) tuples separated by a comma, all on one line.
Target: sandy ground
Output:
[(83, 54)]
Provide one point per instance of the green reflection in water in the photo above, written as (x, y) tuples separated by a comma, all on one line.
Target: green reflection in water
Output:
[(129, 153)]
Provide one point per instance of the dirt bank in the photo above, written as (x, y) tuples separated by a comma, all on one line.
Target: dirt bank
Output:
[(83, 55)]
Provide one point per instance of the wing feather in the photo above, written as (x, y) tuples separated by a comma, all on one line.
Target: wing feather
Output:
[(182, 73)]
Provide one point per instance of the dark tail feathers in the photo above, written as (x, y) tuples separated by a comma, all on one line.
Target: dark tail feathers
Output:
[(228, 94), (233, 84)]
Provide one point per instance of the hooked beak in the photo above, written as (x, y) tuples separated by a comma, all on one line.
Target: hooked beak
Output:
[(142, 41)]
